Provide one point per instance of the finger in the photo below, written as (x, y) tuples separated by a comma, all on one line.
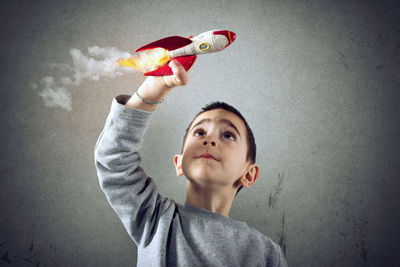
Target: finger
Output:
[(180, 74), (175, 64)]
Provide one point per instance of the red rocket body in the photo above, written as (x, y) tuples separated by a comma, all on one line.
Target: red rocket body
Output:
[(185, 50)]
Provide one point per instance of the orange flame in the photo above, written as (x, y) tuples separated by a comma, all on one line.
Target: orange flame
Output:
[(146, 60)]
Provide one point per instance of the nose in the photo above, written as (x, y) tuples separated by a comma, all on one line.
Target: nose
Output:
[(211, 137), (211, 142)]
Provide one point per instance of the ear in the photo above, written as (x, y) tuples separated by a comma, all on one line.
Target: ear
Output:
[(250, 176), (178, 165)]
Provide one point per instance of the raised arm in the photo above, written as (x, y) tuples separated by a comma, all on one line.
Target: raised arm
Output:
[(131, 193)]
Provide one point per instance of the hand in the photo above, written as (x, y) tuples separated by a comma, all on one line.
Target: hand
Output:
[(155, 88), (161, 85), (180, 76)]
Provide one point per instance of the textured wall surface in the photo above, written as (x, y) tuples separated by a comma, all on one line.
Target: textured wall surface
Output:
[(318, 81)]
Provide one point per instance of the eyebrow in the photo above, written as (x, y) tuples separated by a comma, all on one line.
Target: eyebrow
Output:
[(225, 121)]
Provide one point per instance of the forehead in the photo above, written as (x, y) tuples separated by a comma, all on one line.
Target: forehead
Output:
[(221, 116)]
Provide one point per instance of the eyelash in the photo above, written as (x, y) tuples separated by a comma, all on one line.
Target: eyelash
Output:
[(226, 132)]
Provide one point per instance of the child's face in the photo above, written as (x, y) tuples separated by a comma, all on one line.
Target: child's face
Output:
[(222, 135)]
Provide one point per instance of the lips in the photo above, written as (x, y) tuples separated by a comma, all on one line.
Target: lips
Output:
[(207, 156)]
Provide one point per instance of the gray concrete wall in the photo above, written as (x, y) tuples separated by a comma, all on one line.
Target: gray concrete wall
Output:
[(318, 81)]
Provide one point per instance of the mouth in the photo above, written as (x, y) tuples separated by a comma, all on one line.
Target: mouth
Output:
[(207, 156)]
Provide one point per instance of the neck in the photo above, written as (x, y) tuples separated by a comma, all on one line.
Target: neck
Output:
[(217, 200)]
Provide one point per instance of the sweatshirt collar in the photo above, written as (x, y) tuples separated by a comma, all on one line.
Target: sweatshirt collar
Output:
[(215, 216)]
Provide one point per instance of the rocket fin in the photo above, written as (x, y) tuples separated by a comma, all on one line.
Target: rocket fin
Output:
[(186, 62), (169, 43)]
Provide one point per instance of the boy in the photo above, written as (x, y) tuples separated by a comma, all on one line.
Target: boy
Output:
[(216, 161)]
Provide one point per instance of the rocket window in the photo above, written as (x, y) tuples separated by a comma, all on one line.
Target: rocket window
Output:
[(204, 46)]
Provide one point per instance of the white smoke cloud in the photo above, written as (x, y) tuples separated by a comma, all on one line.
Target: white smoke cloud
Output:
[(99, 62), (54, 95)]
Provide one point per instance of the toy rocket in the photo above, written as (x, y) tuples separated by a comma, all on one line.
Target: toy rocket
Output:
[(153, 58)]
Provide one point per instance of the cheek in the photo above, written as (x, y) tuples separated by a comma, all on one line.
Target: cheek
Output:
[(187, 156), (237, 161), (185, 162)]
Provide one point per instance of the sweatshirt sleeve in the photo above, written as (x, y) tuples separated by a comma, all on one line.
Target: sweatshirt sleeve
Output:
[(132, 195), (282, 261)]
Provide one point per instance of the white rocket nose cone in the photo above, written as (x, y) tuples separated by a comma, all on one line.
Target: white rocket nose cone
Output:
[(220, 42)]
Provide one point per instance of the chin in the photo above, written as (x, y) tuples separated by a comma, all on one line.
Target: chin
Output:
[(200, 176)]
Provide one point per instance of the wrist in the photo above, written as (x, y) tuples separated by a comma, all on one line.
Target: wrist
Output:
[(147, 101)]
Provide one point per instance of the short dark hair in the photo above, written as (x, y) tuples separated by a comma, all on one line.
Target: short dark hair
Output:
[(251, 143)]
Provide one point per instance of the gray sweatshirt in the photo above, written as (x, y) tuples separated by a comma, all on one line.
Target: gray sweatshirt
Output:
[(167, 233)]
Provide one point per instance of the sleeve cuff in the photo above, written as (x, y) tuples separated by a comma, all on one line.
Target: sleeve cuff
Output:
[(119, 109)]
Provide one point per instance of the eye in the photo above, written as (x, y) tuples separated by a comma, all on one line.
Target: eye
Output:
[(229, 135), (199, 132)]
